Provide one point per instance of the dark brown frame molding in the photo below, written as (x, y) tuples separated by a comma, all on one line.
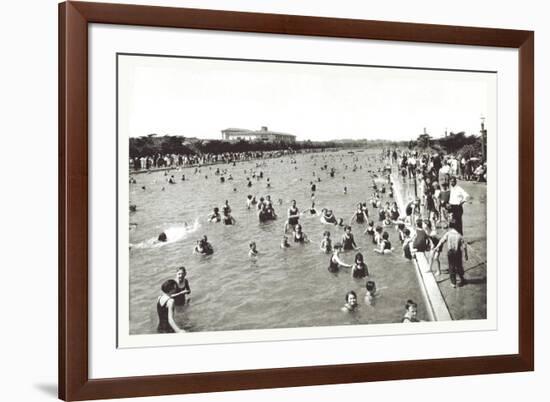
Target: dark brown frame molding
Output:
[(74, 17)]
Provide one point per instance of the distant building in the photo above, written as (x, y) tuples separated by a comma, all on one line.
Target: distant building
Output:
[(236, 134)]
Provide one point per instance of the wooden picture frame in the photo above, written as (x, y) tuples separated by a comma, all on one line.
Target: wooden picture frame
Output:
[(74, 381)]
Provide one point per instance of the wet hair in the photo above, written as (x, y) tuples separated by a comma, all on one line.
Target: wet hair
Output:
[(252, 243), (350, 293), (407, 232), (162, 237), (169, 286), (370, 286), (359, 257), (410, 304), (249, 196), (182, 268), (216, 209), (378, 229), (419, 223), (385, 235), (401, 226)]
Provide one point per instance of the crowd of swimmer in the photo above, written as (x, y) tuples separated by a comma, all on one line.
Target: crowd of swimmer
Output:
[(174, 161), (416, 227)]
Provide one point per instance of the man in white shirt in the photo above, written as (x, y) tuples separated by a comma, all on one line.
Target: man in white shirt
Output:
[(457, 197)]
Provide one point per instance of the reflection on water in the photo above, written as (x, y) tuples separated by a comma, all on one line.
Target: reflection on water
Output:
[(281, 288)]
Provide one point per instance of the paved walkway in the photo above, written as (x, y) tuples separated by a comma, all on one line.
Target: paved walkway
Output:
[(469, 301)]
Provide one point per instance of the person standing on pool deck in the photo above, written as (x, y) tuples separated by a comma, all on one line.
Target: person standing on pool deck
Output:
[(165, 308), (455, 241), (457, 197)]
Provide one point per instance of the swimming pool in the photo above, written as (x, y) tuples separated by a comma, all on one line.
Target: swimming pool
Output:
[(281, 288)]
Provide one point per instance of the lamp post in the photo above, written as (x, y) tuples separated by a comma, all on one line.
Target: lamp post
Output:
[(483, 132)]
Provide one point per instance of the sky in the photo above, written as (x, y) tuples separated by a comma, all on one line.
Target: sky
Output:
[(201, 97)]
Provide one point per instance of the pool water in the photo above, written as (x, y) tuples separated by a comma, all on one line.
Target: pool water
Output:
[(281, 288)]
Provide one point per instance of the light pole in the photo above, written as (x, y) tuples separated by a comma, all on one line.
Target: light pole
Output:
[(483, 132)]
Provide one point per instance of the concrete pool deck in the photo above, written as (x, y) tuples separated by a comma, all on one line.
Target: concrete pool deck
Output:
[(444, 302)]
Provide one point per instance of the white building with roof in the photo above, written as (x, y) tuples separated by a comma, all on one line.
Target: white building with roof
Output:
[(264, 134)]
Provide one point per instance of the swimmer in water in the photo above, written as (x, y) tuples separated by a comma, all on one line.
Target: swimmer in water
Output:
[(284, 242), (226, 207), (311, 211), (370, 231), (299, 236), (351, 302), (162, 237), (359, 268), (252, 250), (165, 308), (293, 216), (384, 247), (183, 287), (411, 310), (371, 293), (215, 215), (335, 262), (348, 241), (228, 219), (203, 247), (360, 215), (327, 217), (326, 243)]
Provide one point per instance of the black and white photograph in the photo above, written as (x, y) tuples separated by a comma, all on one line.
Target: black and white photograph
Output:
[(277, 194)]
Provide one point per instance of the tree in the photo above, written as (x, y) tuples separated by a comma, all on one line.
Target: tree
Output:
[(424, 140)]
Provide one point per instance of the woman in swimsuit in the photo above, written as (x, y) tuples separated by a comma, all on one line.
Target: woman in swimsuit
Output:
[(299, 236), (165, 308), (359, 268), (360, 215), (348, 242), (326, 243), (384, 247), (228, 219), (327, 217), (335, 262), (351, 302)]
